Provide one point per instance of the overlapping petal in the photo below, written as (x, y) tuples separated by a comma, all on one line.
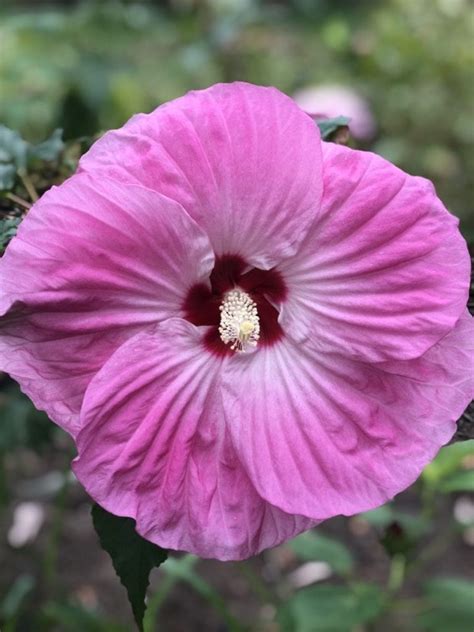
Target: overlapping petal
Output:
[(155, 446), (384, 273), (321, 435), (243, 160), (93, 263)]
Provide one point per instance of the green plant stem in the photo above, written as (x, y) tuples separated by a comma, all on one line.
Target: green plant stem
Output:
[(395, 581), (165, 587), (28, 184), (206, 591), (397, 574), (182, 570), (154, 604), (18, 200)]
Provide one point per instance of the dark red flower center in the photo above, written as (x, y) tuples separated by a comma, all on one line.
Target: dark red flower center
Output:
[(230, 271)]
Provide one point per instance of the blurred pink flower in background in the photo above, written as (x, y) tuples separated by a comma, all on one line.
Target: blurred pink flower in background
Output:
[(245, 330), (331, 100)]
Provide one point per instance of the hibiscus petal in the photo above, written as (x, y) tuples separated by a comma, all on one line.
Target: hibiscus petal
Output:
[(322, 435), (93, 263), (155, 447), (243, 160), (384, 273)]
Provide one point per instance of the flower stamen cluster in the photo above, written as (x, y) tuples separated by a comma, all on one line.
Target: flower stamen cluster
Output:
[(239, 322)]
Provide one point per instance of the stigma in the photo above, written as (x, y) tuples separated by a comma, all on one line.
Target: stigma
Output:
[(239, 325)]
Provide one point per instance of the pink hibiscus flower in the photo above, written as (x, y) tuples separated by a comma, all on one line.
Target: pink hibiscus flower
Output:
[(246, 330)]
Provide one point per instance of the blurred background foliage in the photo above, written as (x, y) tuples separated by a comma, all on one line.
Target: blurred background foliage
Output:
[(86, 67)]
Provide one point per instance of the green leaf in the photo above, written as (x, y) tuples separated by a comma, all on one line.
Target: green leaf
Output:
[(49, 149), (448, 462), (13, 149), (315, 546), (450, 605), (16, 153), (8, 228), (133, 557), (326, 608), (459, 482), (327, 127), (7, 176), (13, 601)]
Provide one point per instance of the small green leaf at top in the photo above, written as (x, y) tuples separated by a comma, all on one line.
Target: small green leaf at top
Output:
[(133, 557), (50, 149), (328, 127), (315, 546), (329, 608), (17, 155)]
